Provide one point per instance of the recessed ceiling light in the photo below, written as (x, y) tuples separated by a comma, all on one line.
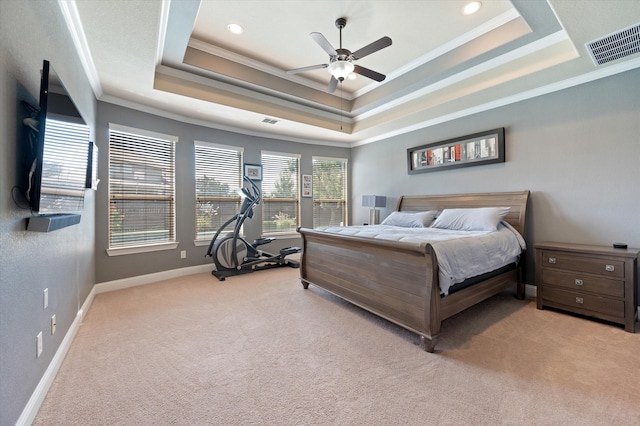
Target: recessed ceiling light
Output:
[(235, 29), (471, 8)]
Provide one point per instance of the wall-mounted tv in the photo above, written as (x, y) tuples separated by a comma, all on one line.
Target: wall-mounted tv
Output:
[(59, 149)]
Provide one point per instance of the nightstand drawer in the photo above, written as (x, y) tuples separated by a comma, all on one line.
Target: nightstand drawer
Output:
[(581, 301), (593, 265), (581, 282)]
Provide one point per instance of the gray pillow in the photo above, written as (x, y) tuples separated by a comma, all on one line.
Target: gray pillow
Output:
[(478, 219), (410, 219)]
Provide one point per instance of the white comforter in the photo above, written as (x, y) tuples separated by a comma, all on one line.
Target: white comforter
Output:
[(461, 254)]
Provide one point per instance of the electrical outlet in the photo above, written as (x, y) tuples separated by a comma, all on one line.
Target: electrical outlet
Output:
[(46, 298), (53, 325), (39, 344), (183, 254)]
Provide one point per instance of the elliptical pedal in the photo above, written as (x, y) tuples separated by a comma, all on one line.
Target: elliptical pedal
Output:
[(261, 241), (289, 250)]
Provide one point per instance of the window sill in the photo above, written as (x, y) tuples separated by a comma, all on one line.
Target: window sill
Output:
[(207, 241), (141, 249), (284, 236), (200, 243)]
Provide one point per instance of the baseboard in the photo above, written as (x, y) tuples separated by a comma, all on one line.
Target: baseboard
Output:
[(150, 278), (33, 405)]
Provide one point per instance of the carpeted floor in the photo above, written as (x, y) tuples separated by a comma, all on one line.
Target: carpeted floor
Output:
[(259, 350)]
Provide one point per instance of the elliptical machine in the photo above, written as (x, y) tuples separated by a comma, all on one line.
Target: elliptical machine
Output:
[(233, 255)]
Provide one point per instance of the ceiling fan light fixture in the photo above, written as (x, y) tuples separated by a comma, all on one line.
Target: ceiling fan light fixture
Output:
[(340, 69)]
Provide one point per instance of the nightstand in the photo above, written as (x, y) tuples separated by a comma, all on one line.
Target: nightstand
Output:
[(596, 281)]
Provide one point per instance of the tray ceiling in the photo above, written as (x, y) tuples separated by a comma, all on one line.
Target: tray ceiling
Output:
[(177, 59)]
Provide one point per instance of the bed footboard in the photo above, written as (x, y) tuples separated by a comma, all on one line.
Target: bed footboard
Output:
[(394, 281)]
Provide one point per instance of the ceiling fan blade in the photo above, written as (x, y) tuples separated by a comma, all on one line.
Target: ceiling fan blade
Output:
[(332, 85), (369, 73), (324, 43), (309, 68), (371, 48)]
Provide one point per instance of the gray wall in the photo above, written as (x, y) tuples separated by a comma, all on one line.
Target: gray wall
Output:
[(62, 261), (109, 268), (576, 150)]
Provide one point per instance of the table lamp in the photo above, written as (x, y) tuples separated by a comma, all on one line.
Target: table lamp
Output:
[(374, 201)]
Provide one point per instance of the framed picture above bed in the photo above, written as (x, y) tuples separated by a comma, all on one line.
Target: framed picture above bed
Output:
[(465, 151)]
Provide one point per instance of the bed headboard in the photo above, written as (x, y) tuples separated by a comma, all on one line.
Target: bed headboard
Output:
[(516, 200)]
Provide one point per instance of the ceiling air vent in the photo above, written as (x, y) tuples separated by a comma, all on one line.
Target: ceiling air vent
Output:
[(615, 46), (269, 121)]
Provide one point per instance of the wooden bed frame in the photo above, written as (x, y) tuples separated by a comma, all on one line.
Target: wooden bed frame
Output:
[(399, 282)]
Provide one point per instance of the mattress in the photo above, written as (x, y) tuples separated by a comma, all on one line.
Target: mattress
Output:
[(461, 254)]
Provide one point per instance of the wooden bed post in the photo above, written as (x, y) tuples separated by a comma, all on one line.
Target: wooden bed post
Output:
[(432, 303), (303, 263)]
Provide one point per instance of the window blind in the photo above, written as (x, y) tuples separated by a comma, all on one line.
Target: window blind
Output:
[(280, 194), (218, 177), (64, 166), (141, 188), (329, 192)]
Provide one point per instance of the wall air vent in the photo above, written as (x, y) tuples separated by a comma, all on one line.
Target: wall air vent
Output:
[(618, 45), (269, 121)]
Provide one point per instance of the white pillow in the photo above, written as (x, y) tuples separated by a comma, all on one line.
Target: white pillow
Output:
[(478, 219), (410, 219)]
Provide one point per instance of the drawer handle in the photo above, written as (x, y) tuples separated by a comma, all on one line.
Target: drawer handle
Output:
[(610, 268), (579, 300), (579, 281), (552, 260)]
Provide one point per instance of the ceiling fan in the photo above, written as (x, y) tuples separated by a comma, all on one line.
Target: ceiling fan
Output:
[(341, 60)]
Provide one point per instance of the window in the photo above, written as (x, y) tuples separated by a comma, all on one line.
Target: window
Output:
[(280, 195), (64, 167), (141, 188), (218, 177), (329, 192)]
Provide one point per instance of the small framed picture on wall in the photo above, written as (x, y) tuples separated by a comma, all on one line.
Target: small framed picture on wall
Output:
[(253, 171), (307, 186)]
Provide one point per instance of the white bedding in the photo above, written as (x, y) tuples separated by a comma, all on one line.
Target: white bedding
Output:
[(461, 254)]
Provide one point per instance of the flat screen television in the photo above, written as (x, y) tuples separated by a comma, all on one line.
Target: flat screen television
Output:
[(59, 149)]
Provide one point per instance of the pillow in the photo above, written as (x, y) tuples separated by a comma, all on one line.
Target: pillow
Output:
[(410, 219), (478, 219)]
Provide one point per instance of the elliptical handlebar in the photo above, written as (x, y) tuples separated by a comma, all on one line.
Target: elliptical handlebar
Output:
[(254, 192)]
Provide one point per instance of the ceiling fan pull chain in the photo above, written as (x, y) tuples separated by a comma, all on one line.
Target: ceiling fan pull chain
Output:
[(341, 100)]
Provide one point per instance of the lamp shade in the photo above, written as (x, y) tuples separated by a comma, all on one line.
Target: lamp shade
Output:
[(340, 69), (374, 201)]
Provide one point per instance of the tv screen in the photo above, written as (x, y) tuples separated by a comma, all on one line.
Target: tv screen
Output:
[(60, 150)]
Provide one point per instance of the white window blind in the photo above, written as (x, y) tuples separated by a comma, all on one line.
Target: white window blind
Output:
[(64, 167), (280, 194), (218, 177), (329, 192), (141, 188)]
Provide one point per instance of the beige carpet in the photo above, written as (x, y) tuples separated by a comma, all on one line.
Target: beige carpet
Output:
[(260, 350)]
